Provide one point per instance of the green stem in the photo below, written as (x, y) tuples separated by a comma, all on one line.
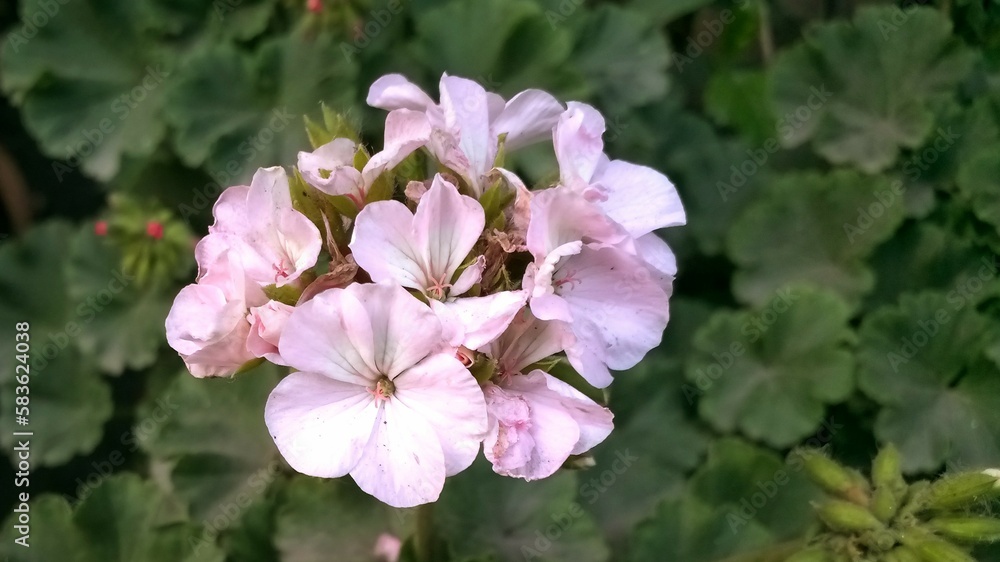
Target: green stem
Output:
[(765, 33), (425, 532)]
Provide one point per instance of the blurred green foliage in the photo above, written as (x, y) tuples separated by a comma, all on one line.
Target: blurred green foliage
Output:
[(839, 162)]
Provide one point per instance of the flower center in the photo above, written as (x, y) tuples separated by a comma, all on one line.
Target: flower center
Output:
[(437, 290), (384, 389)]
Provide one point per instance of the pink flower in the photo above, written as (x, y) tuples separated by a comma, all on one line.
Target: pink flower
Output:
[(207, 323), (468, 122), (536, 420), (585, 275), (376, 395), (274, 243), (330, 168), (425, 250), (266, 324)]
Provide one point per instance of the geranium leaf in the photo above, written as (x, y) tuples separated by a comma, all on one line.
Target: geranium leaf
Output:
[(770, 372)]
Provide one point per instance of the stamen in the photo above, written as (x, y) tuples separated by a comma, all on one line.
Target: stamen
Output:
[(383, 391)]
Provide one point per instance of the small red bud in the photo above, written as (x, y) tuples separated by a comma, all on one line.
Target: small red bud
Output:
[(154, 229), (101, 228), (315, 6)]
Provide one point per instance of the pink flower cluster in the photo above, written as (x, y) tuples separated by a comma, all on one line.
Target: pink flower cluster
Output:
[(429, 333)]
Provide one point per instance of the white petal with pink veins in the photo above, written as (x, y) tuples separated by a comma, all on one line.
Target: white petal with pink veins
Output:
[(393, 91), (639, 198), (330, 168), (528, 117), (475, 321)]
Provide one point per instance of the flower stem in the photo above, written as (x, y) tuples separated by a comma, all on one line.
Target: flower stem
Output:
[(425, 532)]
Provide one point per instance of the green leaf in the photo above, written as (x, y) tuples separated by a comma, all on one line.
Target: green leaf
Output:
[(623, 55), (317, 517), (91, 83), (214, 432), (770, 372), (518, 518), (663, 12), (69, 401), (816, 229), (738, 98), (515, 46), (979, 183), (235, 112), (743, 499), (116, 523), (923, 256), (923, 362), (859, 90)]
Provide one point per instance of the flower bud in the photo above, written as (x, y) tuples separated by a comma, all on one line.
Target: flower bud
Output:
[(967, 529), (832, 477), (902, 553), (813, 554), (885, 503), (847, 517), (961, 490), (887, 469), (933, 550)]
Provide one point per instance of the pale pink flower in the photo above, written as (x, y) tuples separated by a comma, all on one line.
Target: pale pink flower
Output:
[(536, 420), (330, 168), (425, 250), (274, 242), (637, 197), (207, 323), (586, 274), (469, 121), (387, 547), (376, 395), (266, 324)]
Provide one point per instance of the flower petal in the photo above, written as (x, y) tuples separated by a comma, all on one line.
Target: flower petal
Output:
[(595, 421), (528, 340), (320, 425), (528, 117), (639, 198), (383, 245), (331, 335), (405, 132), (404, 329), (402, 464), (465, 107), (336, 159), (266, 324), (482, 319), (660, 259), (446, 226), (560, 216), (394, 91), (578, 144), (447, 396)]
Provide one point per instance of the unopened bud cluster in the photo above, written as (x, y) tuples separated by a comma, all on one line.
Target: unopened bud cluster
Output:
[(885, 519)]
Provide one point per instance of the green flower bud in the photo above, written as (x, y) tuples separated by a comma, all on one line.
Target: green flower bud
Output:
[(832, 477), (967, 529), (902, 553), (885, 504), (847, 517), (887, 469), (962, 490), (812, 554), (941, 551)]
